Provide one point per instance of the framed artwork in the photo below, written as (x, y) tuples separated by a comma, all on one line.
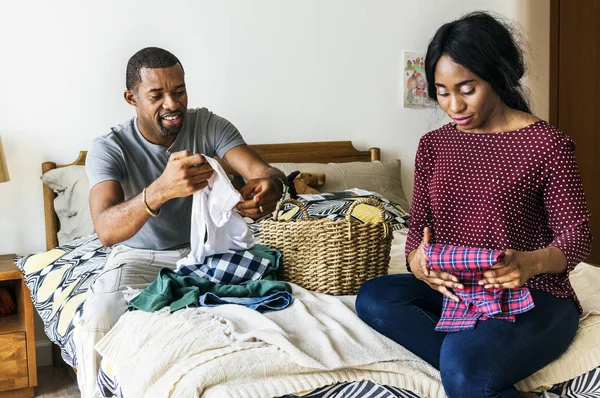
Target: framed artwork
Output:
[(415, 83)]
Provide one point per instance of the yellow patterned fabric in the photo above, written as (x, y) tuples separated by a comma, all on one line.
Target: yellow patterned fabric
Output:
[(335, 206), (58, 281)]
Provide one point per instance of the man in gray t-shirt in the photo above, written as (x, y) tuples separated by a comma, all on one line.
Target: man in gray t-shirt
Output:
[(131, 161), (142, 175)]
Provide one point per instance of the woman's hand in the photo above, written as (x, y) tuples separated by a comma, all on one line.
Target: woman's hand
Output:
[(441, 281), (512, 272)]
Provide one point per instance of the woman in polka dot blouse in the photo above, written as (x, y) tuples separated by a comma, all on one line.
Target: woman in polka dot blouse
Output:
[(496, 178)]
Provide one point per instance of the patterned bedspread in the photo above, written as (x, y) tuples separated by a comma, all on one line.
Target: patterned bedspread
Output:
[(357, 389), (58, 281), (584, 386)]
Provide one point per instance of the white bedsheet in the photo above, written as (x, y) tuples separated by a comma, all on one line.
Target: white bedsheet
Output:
[(233, 351)]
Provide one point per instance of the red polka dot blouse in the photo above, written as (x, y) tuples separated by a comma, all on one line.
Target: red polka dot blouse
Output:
[(513, 190)]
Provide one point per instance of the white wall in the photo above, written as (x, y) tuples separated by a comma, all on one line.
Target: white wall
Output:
[(281, 70)]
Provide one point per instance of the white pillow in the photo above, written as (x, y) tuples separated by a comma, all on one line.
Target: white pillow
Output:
[(72, 201), (380, 177)]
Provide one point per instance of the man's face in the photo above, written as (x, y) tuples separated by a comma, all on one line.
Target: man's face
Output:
[(160, 101)]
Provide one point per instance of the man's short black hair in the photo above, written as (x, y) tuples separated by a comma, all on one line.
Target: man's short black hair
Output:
[(149, 57)]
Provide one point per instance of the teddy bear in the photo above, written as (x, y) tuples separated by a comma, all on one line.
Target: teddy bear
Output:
[(7, 302), (305, 183)]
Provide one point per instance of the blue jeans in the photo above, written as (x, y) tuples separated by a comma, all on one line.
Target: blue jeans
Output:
[(274, 302), (482, 362)]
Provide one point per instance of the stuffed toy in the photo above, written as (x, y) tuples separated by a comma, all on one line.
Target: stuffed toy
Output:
[(305, 183), (7, 303)]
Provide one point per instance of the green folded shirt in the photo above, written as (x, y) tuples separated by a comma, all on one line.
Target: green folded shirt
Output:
[(179, 291)]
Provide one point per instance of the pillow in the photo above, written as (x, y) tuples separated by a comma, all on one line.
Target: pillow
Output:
[(583, 354), (71, 204), (380, 177), (58, 280)]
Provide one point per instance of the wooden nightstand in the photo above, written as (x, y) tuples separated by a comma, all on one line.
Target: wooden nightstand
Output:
[(18, 373)]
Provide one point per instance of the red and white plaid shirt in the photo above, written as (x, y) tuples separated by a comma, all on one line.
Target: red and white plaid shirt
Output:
[(477, 303)]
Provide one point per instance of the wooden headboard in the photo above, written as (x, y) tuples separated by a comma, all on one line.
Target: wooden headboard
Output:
[(301, 152)]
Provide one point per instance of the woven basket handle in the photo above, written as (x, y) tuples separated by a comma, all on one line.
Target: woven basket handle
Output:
[(368, 201), (296, 203), (371, 202)]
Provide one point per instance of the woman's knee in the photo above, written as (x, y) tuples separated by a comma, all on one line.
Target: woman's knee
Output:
[(368, 299), (380, 296), (375, 291), (466, 374), (460, 379)]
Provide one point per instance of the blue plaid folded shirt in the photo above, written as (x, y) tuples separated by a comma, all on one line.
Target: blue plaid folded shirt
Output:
[(235, 267)]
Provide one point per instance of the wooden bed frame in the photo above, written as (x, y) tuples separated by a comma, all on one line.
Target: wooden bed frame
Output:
[(302, 152)]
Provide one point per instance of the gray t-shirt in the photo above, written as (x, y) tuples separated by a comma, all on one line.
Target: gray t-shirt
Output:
[(124, 155)]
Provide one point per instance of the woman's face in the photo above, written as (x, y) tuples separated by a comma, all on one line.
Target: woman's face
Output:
[(469, 101)]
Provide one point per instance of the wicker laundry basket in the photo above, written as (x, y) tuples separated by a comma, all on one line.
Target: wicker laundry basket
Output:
[(333, 257)]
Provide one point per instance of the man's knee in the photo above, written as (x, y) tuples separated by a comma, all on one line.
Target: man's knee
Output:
[(101, 311)]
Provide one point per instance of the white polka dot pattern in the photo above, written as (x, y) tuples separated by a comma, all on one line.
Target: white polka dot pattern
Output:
[(517, 189)]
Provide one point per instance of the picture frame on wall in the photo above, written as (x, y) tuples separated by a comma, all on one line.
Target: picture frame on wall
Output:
[(415, 82)]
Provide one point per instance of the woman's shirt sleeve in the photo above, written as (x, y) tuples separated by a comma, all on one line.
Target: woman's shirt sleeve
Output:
[(564, 199), (420, 210)]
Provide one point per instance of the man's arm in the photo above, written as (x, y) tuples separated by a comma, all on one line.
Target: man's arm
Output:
[(265, 183), (116, 220)]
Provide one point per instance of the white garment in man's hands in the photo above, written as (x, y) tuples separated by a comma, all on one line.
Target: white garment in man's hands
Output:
[(216, 226)]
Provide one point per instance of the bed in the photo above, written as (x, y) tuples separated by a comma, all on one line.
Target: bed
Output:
[(59, 279)]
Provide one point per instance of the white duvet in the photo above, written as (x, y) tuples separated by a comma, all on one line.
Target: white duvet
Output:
[(231, 351)]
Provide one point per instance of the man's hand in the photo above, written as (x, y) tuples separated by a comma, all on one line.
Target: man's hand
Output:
[(264, 187), (260, 197), (185, 174), (441, 281), (511, 272)]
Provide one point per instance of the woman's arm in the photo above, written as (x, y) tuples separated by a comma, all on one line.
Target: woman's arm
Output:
[(568, 218), (564, 200), (420, 232), (420, 209)]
